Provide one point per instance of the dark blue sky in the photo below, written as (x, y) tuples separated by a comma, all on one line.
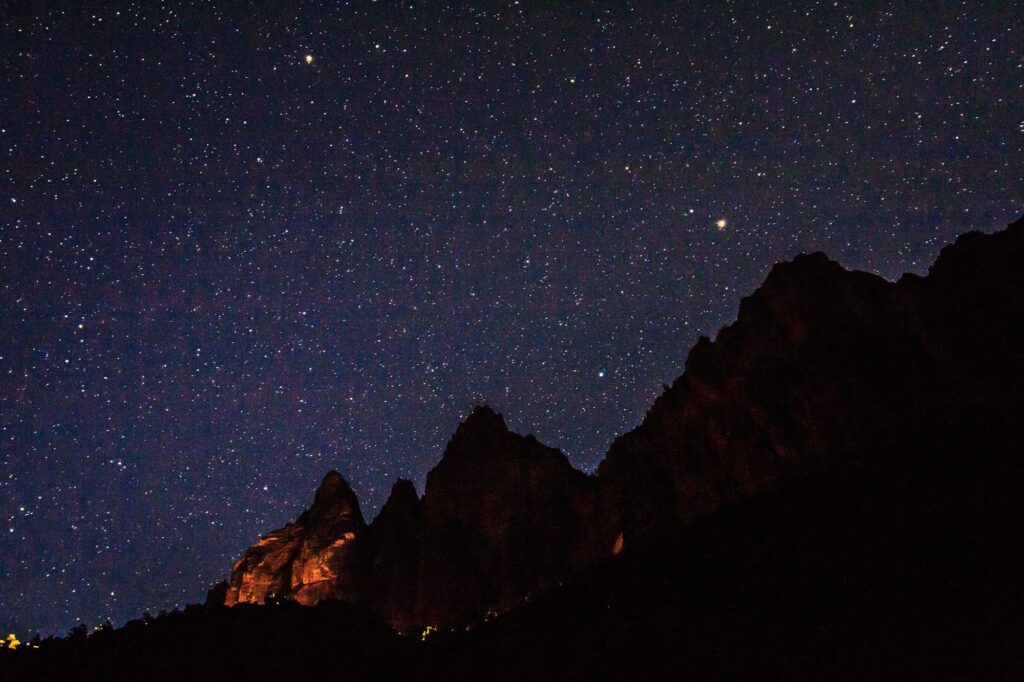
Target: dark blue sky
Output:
[(226, 268)]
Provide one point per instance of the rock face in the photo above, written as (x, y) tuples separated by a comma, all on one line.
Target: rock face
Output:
[(816, 363), (822, 365), (503, 516), (821, 368), (309, 560), (393, 546)]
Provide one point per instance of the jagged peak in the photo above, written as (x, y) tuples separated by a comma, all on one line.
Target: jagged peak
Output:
[(333, 484), (482, 424), (482, 417), (484, 436), (482, 428), (335, 497), (403, 487), (402, 503), (815, 266), (977, 251), (403, 495), (812, 260)]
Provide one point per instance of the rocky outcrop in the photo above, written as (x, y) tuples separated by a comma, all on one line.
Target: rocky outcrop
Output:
[(813, 366), (308, 560), (503, 517), (822, 368), (393, 547), (823, 365)]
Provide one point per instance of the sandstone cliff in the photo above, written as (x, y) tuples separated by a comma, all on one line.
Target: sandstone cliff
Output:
[(308, 560)]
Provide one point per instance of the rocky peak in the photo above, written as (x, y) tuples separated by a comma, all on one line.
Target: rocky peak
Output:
[(309, 559), (335, 501), (484, 416), (800, 299), (483, 443), (979, 248), (502, 516), (392, 575), (984, 267), (815, 266), (402, 503), (483, 450), (482, 425)]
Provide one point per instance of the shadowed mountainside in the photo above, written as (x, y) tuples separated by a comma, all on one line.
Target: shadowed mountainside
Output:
[(832, 489), (822, 366)]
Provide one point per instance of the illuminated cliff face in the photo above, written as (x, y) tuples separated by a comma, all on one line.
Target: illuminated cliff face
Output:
[(309, 560), (259, 574)]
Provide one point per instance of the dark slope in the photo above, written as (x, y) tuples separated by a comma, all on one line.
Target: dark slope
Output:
[(907, 568), (278, 641), (821, 366), (393, 549)]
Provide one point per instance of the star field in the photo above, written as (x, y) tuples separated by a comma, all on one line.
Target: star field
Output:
[(242, 245)]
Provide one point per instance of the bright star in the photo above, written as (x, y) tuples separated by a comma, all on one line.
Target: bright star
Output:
[(720, 223), (309, 59)]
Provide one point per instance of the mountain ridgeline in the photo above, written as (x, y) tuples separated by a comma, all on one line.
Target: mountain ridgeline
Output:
[(832, 490), (823, 370)]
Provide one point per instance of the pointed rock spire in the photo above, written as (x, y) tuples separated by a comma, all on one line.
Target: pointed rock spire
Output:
[(335, 499), (402, 501)]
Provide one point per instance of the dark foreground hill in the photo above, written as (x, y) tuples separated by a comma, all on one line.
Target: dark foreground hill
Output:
[(832, 489), (864, 573)]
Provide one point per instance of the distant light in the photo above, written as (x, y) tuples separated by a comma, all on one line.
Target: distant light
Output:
[(309, 59), (600, 375), (721, 223)]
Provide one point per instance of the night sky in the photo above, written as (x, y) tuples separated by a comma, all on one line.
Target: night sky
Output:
[(242, 246)]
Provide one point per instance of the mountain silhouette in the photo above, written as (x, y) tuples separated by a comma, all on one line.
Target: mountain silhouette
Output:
[(832, 488), (822, 367)]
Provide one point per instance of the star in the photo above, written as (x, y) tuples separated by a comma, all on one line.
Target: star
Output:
[(721, 223), (309, 59)]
